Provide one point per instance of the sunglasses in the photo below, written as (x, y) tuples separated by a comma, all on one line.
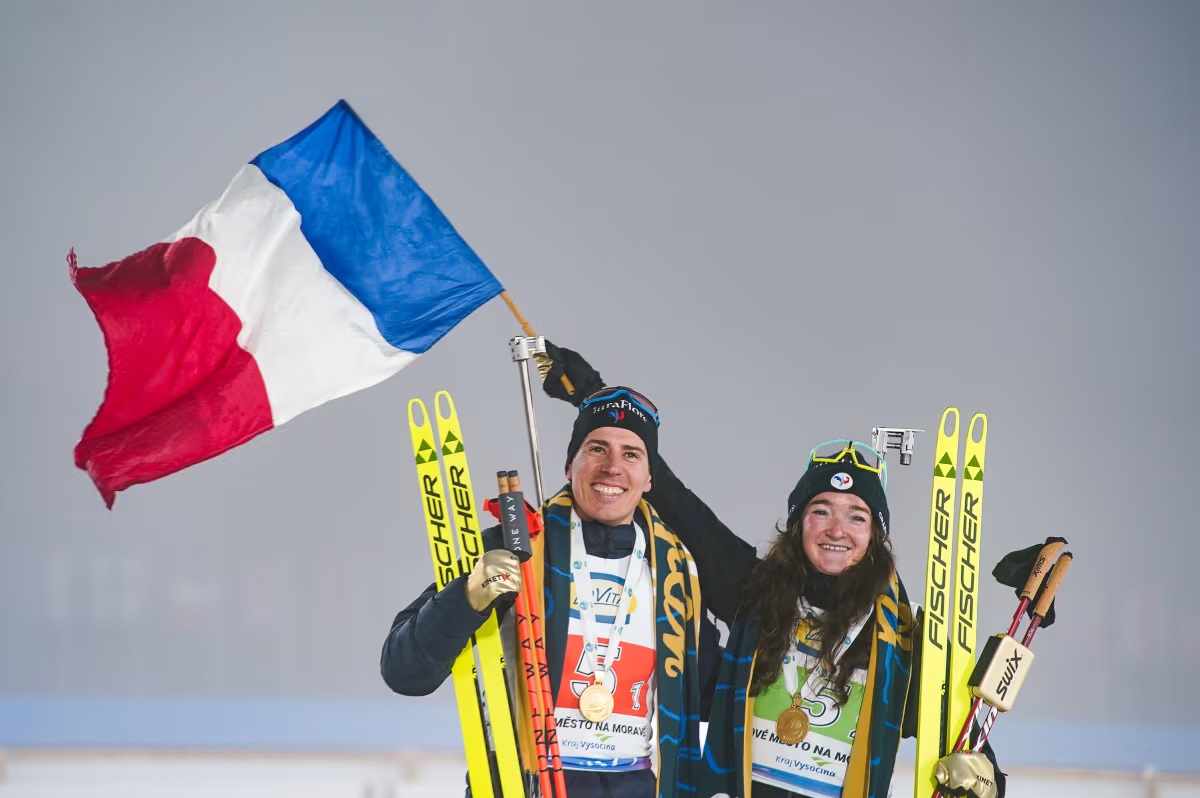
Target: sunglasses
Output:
[(608, 394), (840, 450)]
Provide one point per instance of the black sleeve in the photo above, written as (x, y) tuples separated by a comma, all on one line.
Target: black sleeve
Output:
[(908, 725), (429, 633), (709, 659), (723, 560), (426, 637)]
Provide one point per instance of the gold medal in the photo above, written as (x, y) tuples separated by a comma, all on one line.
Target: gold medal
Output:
[(595, 703), (792, 724)]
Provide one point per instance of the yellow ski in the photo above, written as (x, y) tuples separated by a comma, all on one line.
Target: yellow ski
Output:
[(935, 627), (446, 568), (487, 639), (966, 583)]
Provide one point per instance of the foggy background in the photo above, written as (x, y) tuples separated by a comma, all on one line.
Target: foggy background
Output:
[(785, 222)]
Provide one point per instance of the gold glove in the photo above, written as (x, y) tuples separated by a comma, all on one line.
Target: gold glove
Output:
[(967, 774), (497, 573)]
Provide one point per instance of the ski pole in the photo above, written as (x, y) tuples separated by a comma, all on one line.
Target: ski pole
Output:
[(532, 638), (1061, 566), (522, 349), (1036, 577), (539, 645), (514, 543)]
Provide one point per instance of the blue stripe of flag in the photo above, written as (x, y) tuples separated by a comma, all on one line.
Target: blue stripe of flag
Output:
[(377, 232)]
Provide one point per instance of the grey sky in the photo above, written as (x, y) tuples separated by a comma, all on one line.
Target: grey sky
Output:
[(785, 222)]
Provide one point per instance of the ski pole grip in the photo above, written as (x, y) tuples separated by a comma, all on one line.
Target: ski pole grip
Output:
[(1041, 568), (1061, 566), (512, 515)]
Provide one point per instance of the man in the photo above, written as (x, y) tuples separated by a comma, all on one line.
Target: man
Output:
[(622, 614)]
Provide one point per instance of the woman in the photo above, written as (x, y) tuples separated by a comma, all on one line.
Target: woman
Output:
[(814, 688)]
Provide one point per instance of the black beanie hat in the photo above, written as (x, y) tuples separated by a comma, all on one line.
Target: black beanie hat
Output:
[(619, 411), (845, 476)]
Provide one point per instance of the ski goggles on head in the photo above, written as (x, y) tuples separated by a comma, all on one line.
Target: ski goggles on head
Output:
[(608, 394), (841, 449)]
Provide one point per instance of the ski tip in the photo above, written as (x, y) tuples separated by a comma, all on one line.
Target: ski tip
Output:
[(412, 419), (448, 414), (977, 428)]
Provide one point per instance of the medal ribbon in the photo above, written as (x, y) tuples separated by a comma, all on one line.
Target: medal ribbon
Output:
[(792, 660), (581, 572)]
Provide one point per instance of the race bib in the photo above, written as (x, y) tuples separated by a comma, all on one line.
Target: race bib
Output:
[(815, 766), (624, 740)]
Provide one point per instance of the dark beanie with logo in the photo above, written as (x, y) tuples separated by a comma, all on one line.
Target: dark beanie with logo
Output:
[(616, 412), (844, 476)]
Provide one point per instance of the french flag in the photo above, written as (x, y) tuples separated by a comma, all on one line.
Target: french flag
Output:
[(321, 270)]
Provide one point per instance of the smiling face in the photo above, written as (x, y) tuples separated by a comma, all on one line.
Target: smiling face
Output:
[(836, 531), (609, 474)]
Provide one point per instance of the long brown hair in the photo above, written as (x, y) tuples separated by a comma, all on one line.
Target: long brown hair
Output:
[(778, 582)]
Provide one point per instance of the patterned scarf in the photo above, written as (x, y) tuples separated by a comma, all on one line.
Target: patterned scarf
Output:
[(677, 624), (726, 767)]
